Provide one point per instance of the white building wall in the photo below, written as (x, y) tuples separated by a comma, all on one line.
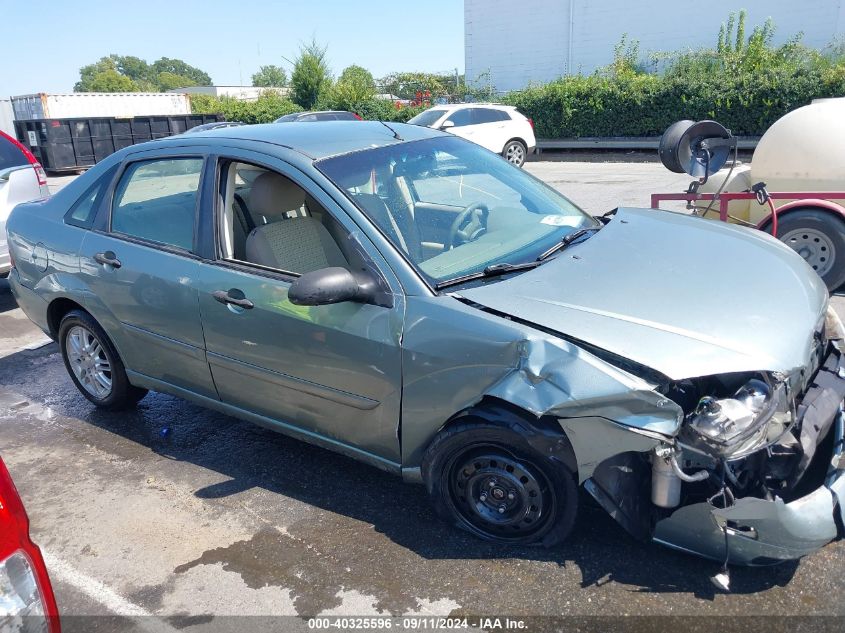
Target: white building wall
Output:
[(529, 41)]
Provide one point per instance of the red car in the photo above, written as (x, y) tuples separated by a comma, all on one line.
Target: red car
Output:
[(27, 602)]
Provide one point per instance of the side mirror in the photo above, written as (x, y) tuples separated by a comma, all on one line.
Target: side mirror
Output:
[(447, 124), (333, 285)]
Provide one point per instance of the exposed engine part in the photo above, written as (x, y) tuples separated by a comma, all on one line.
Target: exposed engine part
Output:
[(701, 475), (665, 484), (666, 478)]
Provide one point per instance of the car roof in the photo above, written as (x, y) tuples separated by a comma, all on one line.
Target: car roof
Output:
[(320, 139), (457, 106)]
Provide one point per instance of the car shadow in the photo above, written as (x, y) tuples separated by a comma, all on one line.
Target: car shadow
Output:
[(251, 457), (7, 301)]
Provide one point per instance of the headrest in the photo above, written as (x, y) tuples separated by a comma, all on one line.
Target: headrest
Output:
[(273, 195)]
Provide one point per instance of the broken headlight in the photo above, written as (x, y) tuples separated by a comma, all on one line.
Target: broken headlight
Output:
[(758, 414)]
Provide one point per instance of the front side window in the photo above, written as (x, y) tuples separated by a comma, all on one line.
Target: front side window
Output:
[(461, 117), (156, 200), (269, 221), (428, 118), (452, 207)]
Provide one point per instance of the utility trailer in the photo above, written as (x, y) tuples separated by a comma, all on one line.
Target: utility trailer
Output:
[(799, 158)]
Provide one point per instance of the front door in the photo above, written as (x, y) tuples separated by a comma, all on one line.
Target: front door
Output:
[(142, 273), (331, 370)]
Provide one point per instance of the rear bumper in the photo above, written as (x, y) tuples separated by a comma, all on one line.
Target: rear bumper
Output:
[(33, 305), (762, 532)]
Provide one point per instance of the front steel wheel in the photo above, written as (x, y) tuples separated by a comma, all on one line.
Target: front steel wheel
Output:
[(488, 480), (499, 496)]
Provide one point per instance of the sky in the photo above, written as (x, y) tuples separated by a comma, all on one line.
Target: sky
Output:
[(44, 44)]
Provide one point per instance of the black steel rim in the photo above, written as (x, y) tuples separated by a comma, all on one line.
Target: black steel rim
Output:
[(498, 495)]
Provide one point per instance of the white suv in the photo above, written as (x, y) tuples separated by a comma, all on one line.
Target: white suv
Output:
[(499, 128)]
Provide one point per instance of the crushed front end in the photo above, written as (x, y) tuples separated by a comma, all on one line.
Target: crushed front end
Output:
[(755, 475)]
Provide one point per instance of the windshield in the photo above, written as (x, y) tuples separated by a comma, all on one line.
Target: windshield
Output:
[(427, 118), (452, 207)]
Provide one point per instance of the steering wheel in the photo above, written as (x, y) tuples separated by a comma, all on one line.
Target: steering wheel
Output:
[(470, 224)]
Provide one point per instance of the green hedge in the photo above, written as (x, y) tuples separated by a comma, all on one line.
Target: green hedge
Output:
[(271, 106), (646, 104), (268, 107)]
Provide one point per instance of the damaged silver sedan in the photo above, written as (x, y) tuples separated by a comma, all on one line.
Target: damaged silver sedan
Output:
[(410, 299)]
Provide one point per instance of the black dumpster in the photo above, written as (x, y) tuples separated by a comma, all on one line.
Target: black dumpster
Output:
[(74, 144)]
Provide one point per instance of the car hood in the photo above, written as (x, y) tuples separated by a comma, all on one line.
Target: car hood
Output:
[(682, 295)]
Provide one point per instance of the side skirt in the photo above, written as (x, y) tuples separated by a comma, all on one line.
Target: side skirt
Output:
[(142, 380)]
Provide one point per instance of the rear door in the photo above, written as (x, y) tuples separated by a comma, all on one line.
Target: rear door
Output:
[(140, 266), (489, 127)]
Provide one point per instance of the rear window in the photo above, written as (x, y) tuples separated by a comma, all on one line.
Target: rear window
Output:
[(10, 154)]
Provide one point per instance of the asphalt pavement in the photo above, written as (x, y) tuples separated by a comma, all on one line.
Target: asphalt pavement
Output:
[(173, 517)]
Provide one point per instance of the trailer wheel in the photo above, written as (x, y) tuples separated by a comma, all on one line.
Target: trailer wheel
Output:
[(819, 237)]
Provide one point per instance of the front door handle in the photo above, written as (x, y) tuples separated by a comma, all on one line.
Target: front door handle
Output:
[(107, 259), (225, 296)]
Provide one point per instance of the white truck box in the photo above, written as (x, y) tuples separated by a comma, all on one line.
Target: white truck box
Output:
[(99, 104)]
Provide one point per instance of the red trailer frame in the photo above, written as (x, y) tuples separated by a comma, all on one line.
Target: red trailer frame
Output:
[(803, 199)]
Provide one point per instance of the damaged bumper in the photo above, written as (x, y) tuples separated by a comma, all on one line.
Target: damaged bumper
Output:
[(760, 531)]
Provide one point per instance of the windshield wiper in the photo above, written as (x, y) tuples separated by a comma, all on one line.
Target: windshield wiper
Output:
[(568, 239), (493, 270)]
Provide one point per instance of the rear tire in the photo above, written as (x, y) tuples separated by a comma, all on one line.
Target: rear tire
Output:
[(515, 153), (93, 363), (489, 481), (819, 237)]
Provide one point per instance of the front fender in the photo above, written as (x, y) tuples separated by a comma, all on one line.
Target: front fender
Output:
[(455, 359)]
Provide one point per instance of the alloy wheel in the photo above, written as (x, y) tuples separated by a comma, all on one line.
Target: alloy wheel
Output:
[(89, 362)]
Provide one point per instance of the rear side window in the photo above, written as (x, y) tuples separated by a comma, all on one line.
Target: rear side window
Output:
[(156, 200), (84, 210), (488, 115), (10, 154)]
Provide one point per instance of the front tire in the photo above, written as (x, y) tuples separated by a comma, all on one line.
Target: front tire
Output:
[(515, 153), (819, 237), (93, 363), (489, 481)]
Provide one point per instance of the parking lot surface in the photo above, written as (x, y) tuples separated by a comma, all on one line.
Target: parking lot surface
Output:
[(175, 511)]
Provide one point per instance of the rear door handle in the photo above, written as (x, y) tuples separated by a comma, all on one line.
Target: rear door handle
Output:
[(225, 297), (107, 259)]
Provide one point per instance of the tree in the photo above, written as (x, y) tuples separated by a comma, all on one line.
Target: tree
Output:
[(406, 85), (164, 74), (88, 73), (111, 81), (270, 76), (310, 76), (171, 81), (178, 67), (354, 85)]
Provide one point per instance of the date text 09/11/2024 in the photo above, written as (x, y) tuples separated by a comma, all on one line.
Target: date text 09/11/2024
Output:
[(414, 623)]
